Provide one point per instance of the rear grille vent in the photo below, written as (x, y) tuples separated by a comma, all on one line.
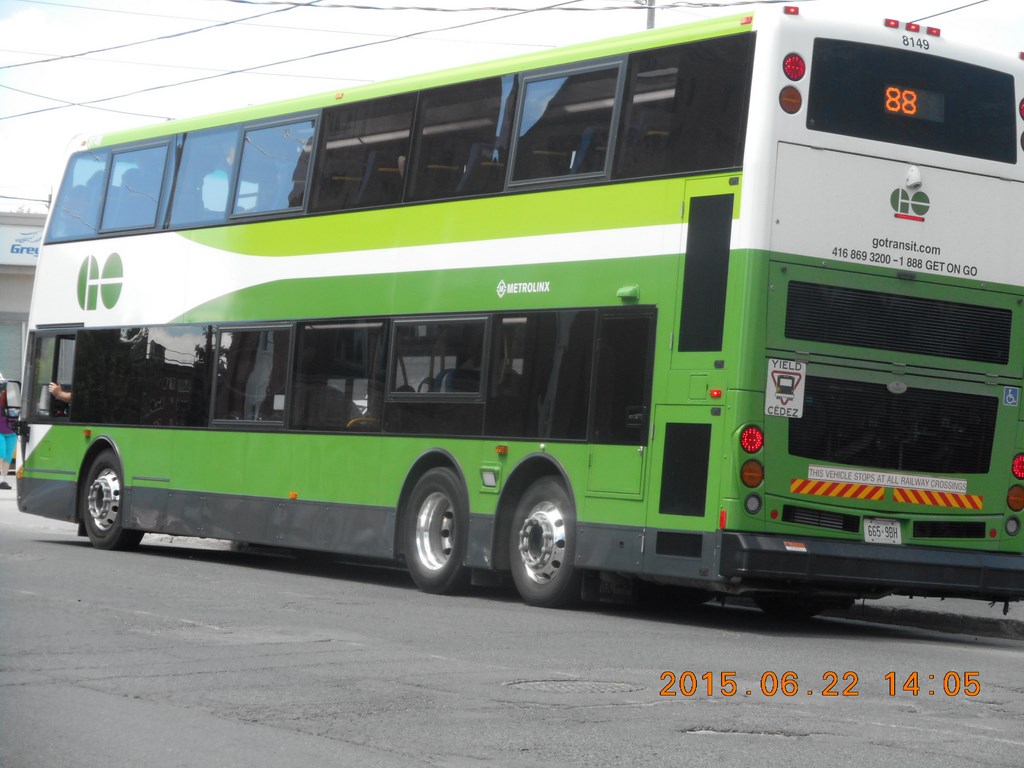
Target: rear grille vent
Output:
[(921, 430), (834, 521), (949, 529), (851, 317)]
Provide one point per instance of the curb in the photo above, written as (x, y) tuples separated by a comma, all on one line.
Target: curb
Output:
[(955, 623)]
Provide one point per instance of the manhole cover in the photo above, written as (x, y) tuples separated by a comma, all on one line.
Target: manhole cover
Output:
[(573, 686)]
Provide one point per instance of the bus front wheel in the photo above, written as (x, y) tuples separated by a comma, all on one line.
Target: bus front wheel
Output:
[(100, 505), (437, 532), (542, 546)]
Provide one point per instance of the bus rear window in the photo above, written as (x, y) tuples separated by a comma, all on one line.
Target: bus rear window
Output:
[(913, 99)]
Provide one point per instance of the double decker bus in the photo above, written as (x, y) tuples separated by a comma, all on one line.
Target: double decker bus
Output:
[(733, 306)]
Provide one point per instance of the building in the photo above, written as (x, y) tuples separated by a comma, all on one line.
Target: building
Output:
[(21, 235)]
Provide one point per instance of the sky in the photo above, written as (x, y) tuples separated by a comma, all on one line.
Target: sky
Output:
[(76, 67)]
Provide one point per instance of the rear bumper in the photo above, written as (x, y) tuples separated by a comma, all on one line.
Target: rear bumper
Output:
[(869, 569)]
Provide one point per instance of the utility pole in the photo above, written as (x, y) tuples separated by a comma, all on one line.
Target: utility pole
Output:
[(650, 11)]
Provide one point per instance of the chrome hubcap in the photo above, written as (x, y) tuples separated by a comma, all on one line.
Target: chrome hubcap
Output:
[(435, 531), (105, 500), (542, 542)]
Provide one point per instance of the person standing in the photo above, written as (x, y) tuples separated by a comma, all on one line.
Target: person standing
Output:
[(8, 438)]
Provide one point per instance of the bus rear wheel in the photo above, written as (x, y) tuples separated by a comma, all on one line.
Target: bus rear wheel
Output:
[(436, 532), (542, 547), (100, 506)]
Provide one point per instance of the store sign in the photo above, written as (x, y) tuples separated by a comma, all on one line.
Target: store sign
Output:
[(19, 245)]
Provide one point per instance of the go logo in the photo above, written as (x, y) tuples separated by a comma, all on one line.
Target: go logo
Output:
[(105, 284), (910, 206)]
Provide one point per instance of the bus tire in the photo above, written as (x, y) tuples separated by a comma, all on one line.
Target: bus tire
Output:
[(100, 505), (542, 546), (436, 533)]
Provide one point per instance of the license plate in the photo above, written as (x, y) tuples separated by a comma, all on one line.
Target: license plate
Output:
[(882, 531)]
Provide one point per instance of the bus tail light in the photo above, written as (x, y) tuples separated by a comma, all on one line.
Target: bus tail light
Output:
[(752, 439), (794, 66), (790, 100), (1012, 526), (1015, 498), (1018, 466)]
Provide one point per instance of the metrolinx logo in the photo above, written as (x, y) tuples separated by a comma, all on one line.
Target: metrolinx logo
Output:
[(910, 207), (106, 283)]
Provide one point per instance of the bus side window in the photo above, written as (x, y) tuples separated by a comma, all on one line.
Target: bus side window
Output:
[(52, 360), (685, 108), (338, 376), (623, 378), (76, 213), (435, 377), (462, 139), (565, 125), (540, 374), (251, 373), (133, 190), (271, 161), (204, 177), (361, 161)]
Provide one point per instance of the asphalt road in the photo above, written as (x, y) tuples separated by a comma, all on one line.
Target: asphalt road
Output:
[(189, 654)]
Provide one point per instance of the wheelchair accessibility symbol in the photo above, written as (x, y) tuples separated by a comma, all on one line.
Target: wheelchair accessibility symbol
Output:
[(1011, 396)]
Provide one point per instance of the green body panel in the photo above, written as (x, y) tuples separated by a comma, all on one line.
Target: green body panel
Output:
[(464, 290), (551, 212)]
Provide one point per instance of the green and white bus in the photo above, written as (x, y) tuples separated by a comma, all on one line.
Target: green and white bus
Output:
[(733, 306)]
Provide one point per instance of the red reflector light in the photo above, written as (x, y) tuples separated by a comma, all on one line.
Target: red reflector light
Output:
[(1018, 466), (1015, 498), (933, 31), (752, 473), (791, 10), (892, 23), (794, 66), (912, 27), (1020, 107), (752, 439), (715, 393), (790, 100), (746, 20)]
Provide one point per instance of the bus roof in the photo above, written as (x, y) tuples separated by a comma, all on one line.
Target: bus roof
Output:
[(538, 60)]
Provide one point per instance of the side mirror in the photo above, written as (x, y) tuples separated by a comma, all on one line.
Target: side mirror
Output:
[(13, 400)]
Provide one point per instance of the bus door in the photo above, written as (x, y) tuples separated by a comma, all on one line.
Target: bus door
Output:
[(687, 434)]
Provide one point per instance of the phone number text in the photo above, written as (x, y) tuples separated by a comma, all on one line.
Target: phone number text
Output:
[(937, 266)]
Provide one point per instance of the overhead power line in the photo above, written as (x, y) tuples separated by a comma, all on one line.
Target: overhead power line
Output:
[(286, 5), (91, 103), (289, 7)]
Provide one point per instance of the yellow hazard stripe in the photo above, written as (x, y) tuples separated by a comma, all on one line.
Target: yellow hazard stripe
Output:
[(839, 490), (938, 499)]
